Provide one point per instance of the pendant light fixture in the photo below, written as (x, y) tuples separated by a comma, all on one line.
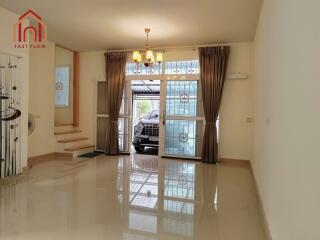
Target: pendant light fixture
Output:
[(147, 57)]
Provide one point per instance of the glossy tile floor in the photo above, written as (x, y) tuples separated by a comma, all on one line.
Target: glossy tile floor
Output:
[(131, 198)]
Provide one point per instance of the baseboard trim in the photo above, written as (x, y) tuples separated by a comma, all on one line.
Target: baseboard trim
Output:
[(47, 157), (261, 208)]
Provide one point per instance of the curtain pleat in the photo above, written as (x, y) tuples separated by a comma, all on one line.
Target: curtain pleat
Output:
[(213, 68), (115, 80)]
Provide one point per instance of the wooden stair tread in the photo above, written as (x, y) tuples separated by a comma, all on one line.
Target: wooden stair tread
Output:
[(72, 139), (79, 147), (67, 132)]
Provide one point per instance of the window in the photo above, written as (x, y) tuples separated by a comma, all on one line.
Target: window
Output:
[(182, 67), (181, 99), (140, 69), (170, 68), (62, 86)]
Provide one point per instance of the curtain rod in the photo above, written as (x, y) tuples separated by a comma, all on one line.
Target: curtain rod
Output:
[(172, 48), (10, 54)]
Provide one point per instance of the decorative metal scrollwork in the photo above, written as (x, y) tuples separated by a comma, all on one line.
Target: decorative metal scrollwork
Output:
[(183, 137), (182, 180), (184, 97), (59, 86)]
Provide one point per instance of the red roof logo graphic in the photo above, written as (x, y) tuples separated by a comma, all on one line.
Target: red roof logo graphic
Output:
[(23, 32)]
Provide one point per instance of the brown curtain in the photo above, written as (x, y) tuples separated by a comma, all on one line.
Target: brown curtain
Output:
[(115, 80), (213, 67)]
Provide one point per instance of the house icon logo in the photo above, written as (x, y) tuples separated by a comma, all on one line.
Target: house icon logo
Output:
[(30, 31)]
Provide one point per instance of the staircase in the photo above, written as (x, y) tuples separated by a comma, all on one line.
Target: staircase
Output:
[(71, 140)]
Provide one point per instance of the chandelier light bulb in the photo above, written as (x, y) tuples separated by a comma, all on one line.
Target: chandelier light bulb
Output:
[(149, 55), (139, 58), (136, 55), (152, 61), (159, 57)]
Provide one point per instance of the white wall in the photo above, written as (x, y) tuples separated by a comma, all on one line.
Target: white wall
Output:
[(64, 115), (287, 116), (236, 133), (7, 19), (41, 99)]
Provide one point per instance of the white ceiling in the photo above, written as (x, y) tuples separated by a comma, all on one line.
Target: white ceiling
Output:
[(112, 24)]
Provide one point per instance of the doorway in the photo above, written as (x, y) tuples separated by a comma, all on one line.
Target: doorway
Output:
[(161, 109), (145, 116)]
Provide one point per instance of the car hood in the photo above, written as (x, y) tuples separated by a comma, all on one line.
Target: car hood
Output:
[(153, 121)]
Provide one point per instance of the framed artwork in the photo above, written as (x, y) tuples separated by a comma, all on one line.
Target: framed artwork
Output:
[(62, 86)]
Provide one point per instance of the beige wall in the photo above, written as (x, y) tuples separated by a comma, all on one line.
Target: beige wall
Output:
[(7, 19), (41, 99), (236, 133), (236, 106), (64, 57), (287, 116), (91, 70)]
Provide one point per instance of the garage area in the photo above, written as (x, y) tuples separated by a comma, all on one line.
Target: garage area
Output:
[(145, 116)]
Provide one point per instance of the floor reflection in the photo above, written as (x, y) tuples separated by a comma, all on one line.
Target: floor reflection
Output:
[(160, 197), (136, 197)]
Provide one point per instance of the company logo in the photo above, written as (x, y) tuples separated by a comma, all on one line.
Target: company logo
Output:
[(30, 31)]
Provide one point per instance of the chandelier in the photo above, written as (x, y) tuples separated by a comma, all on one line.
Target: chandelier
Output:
[(147, 57)]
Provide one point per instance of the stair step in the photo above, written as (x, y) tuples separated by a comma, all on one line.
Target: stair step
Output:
[(67, 132), (72, 139), (63, 124), (79, 147)]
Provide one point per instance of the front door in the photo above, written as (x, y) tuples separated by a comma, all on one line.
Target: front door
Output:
[(182, 119)]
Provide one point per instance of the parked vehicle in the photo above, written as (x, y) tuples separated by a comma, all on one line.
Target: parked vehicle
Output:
[(146, 132)]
